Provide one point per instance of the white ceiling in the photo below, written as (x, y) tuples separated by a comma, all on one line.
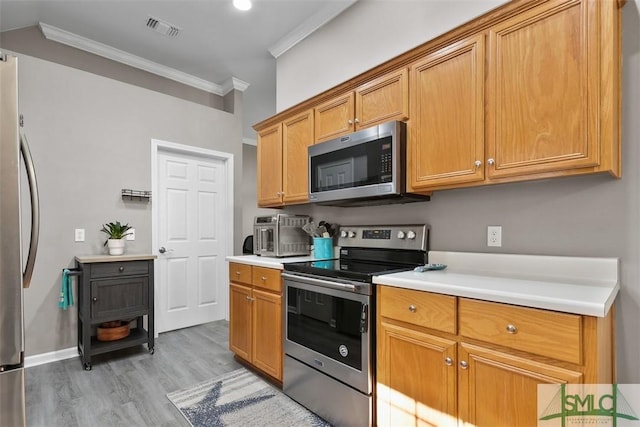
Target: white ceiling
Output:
[(216, 41)]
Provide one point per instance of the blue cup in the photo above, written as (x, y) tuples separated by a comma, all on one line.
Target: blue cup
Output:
[(323, 247)]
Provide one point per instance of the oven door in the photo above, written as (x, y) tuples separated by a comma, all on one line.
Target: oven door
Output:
[(329, 329)]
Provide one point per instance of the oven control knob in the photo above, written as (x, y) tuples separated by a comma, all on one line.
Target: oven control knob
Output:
[(411, 235), (401, 235), (352, 234), (343, 233)]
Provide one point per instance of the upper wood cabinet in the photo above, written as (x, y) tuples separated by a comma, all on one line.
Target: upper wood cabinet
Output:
[(380, 100), (283, 161), (553, 90), (269, 159), (446, 130), (297, 136)]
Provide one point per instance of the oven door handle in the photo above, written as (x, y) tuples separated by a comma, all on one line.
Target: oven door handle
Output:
[(333, 283)]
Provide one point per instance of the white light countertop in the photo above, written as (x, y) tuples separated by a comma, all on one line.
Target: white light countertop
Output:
[(269, 262), (87, 259), (569, 284)]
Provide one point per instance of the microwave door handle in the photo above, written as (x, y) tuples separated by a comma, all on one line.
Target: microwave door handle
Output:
[(35, 211)]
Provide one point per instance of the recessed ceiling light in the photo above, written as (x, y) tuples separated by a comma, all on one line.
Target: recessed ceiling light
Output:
[(242, 4)]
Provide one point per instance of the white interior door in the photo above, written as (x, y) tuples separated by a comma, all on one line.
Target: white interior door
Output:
[(192, 229)]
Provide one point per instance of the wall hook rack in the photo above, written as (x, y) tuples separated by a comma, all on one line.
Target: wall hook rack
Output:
[(139, 195)]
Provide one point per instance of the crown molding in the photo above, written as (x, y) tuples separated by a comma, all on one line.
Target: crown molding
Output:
[(234, 83), (100, 49), (311, 24)]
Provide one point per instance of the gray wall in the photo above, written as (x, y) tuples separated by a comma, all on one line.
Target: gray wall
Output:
[(579, 216), (90, 137), (250, 190)]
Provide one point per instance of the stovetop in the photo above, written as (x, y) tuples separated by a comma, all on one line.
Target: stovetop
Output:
[(368, 251)]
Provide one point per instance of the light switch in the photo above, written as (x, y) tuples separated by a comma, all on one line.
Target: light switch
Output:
[(79, 234)]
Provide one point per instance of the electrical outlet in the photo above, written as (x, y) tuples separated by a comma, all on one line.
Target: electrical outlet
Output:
[(132, 235), (494, 235), (79, 234)]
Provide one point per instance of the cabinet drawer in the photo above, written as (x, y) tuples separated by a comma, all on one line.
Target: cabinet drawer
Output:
[(119, 299), (419, 308), (240, 273), (542, 332), (115, 269), (267, 278)]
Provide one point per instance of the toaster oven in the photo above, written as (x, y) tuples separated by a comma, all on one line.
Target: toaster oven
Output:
[(280, 235)]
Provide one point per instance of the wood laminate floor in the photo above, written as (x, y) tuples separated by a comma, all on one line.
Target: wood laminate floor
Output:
[(129, 387)]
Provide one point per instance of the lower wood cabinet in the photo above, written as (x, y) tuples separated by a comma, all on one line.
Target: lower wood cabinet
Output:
[(454, 364), (255, 317)]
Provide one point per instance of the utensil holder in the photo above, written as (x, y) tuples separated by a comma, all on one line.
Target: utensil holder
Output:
[(323, 247)]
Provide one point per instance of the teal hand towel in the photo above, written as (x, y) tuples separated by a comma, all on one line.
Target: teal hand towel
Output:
[(66, 291)]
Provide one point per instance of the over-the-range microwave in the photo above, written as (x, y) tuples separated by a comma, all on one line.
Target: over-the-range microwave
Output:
[(360, 169)]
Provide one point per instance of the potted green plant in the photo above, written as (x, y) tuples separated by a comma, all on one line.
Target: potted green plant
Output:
[(116, 232)]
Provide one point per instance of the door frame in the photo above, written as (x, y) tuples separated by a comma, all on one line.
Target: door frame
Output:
[(157, 146)]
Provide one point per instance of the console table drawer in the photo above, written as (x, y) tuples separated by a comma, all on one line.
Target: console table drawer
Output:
[(124, 268)]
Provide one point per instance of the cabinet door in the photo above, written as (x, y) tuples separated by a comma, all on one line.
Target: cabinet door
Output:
[(267, 332), (416, 382), (383, 99), (499, 389), (297, 136), (543, 90), (446, 131), (334, 117), (269, 158), (240, 327), (119, 299)]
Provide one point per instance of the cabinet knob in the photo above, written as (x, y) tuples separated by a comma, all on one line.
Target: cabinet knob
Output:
[(464, 364), (95, 299), (491, 161), (237, 273), (512, 329), (356, 121), (349, 122), (121, 269), (249, 298), (478, 163), (448, 361), (264, 278), (412, 308)]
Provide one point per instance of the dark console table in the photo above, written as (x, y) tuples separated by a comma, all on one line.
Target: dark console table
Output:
[(114, 288)]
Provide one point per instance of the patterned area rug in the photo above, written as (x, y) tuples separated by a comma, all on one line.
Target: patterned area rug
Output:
[(240, 398)]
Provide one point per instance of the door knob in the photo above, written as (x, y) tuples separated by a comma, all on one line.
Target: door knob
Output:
[(162, 250)]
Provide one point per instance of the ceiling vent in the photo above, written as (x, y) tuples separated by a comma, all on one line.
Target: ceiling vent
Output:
[(163, 27)]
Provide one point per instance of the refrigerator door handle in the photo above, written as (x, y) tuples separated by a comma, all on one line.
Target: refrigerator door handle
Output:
[(35, 211)]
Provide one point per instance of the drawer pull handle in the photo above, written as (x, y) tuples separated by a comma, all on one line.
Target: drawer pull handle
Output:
[(264, 278), (448, 361), (121, 269), (512, 329), (464, 364), (412, 308), (237, 273)]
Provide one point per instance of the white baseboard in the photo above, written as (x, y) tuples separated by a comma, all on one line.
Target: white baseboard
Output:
[(52, 356)]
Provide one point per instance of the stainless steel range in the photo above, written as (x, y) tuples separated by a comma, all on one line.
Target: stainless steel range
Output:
[(330, 334)]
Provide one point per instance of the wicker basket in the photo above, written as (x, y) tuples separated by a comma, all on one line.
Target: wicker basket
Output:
[(111, 331)]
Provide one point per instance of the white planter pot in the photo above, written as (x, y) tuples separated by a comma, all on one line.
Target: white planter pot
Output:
[(116, 246)]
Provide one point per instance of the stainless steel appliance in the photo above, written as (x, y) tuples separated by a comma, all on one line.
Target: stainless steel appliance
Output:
[(280, 235), (329, 320), (12, 277), (364, 168)]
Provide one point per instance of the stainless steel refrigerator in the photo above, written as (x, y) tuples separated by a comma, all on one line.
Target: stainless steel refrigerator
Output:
[(13, 277)]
